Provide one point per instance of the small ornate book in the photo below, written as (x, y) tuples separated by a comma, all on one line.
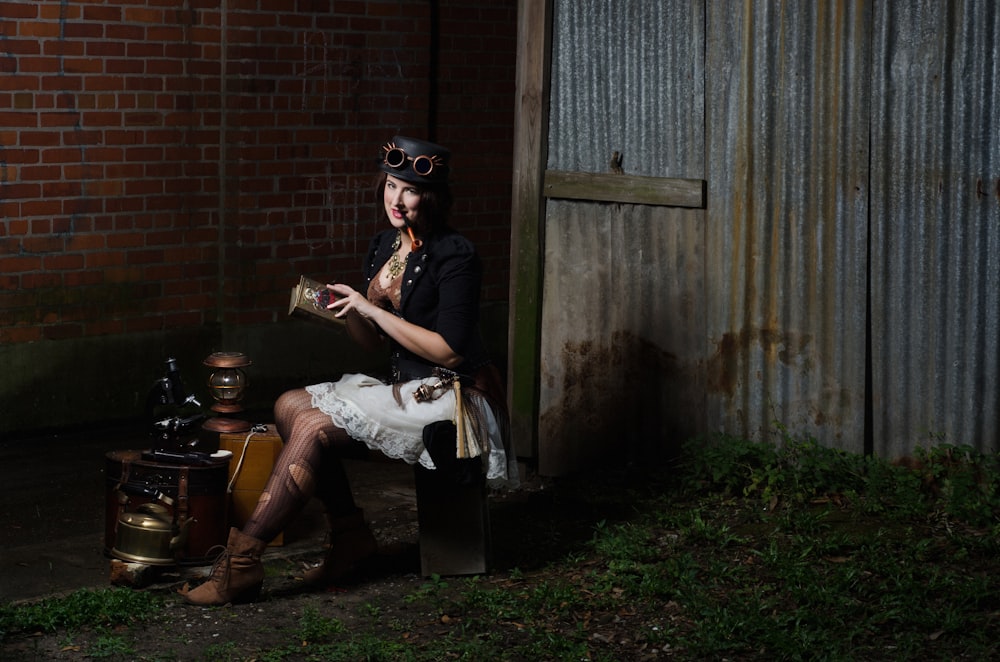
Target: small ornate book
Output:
[(309, 301)]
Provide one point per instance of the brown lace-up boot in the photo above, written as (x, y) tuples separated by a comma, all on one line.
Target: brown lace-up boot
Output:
[(237, 574), (350, 541)]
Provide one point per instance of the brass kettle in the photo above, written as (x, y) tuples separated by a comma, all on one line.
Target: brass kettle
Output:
[(149, 536)]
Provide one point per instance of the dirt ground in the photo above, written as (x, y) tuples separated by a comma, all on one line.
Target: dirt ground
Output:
[(531, 527)]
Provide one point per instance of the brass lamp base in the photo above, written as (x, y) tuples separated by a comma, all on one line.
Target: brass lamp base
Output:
[(220, 424)]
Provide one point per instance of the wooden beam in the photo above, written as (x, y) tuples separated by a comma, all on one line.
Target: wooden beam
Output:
[(630, 189), (531, 120)]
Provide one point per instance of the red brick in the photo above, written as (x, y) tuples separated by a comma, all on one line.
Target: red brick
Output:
[(124, 66), (120, 240), (141, 15), (142, 119), (11, 335), (63, 262), (41, 280), (62, 331), (38, 173), (105, 48), (75, 279), (69, 82), (105, 188), (43, 244), (165, 34), (104, 327), (143, 324), (58, 119), (17, 227), (9, 282), (38, 29), (79, 30), (123, 32), (60, 188), (104, 83), (18, 10), (62, 48), (55, 11), (86, 242), (10, 264), (101, 14)]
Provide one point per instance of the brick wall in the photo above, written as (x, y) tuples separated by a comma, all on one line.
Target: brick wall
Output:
[(169, 164)]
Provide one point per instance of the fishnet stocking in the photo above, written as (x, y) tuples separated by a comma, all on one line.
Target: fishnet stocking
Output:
[(309, 465)]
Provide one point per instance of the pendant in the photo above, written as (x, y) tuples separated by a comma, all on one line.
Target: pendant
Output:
[(397, 264)]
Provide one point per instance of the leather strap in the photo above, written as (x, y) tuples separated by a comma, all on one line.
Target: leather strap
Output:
[(182, 494)]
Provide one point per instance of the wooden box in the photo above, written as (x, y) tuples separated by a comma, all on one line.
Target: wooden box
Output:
[(259, 451)]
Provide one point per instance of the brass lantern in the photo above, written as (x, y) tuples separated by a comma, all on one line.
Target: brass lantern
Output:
[(228, 384)]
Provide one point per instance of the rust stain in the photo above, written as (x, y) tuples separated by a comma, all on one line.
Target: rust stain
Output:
[(626, 398), (733, 350)]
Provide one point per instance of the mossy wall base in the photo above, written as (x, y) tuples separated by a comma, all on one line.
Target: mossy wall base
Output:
[(72, 384)]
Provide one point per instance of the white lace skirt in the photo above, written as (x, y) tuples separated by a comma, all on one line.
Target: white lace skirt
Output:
[(367, 409)]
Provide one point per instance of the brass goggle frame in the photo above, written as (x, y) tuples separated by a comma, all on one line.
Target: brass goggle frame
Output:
[(396, 158)]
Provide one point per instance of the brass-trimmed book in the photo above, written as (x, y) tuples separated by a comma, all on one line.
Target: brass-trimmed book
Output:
[(309, 301)]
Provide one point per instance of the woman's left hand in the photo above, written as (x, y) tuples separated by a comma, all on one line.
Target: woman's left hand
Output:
[(349, 299)]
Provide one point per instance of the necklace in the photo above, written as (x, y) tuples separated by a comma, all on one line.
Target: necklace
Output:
[(397, 264)]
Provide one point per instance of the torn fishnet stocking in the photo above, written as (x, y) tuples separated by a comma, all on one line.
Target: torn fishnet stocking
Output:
[(309, 465)]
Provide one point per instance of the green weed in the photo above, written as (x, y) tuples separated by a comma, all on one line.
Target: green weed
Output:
[(111, 647), (83, 608), (314, 626), (429, 589)]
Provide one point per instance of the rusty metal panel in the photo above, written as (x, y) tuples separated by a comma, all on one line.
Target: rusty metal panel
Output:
[(787, 85), (622, 324), (623, 328), (844, 277), (936, 226)]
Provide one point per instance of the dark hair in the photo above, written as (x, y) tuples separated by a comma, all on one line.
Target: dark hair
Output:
[(434, 208)]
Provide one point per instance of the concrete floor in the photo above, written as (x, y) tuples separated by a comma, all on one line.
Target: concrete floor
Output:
[(53, 496)]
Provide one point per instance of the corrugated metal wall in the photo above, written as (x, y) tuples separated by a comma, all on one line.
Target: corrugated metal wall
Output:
[(788, 218), (621, 311), (849, 255), (936, 224), (628, 76)]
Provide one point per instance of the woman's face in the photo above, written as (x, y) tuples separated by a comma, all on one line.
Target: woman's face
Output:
[(402, 200)]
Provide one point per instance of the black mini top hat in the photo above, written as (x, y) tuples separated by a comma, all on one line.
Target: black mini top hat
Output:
[(416, 161)]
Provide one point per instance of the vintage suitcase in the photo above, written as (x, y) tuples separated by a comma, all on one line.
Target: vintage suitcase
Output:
[(259, 451), (195, 493)]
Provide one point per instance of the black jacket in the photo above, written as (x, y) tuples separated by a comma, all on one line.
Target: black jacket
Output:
[(440, 292)]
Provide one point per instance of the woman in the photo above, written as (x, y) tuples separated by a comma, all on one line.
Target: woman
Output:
[(423, 281)]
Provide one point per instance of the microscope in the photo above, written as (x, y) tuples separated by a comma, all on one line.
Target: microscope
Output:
[(173, 416)]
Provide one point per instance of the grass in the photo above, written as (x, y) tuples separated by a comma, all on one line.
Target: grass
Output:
[(83, 608), (742, 551)]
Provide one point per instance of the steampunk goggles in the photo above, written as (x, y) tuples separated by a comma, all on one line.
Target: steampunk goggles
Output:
[(397, 158)]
